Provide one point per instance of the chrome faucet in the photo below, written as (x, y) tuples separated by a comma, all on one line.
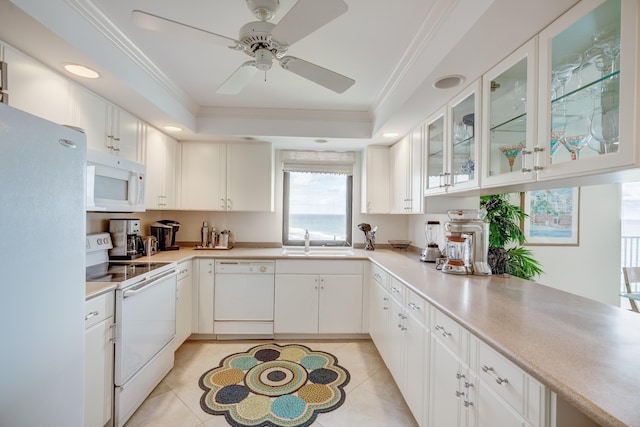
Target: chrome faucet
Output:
[(306, 240)]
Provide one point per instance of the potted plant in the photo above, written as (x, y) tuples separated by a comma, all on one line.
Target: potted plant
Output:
[(506, 254)]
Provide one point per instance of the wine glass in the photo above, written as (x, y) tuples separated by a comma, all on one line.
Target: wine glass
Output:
[(604, 128), (511, 152), (562, 71)]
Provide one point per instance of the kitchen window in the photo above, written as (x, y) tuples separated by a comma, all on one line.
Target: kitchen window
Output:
[(317, 197)]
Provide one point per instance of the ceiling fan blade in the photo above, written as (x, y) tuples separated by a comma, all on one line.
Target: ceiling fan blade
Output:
[(305, 17), (239, 79), (317, 74), (152, 22)]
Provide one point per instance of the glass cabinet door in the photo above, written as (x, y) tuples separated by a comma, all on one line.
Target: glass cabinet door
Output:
[(463, 136), (581, 59), (510, 118), (435, 161)]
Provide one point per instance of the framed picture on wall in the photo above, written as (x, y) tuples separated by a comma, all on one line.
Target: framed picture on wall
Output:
[(554, 217)]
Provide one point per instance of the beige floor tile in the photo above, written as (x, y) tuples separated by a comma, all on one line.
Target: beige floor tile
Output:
[(373, 399)]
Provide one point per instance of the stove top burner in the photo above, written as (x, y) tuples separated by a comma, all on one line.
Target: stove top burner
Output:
[(120, 271)]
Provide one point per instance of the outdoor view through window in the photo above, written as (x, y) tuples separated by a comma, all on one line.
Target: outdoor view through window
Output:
[(320, 203)]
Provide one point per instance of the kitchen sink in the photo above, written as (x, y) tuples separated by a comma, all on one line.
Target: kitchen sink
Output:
[(315, 251)]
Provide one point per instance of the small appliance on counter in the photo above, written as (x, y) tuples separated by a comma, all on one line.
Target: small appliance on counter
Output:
[(432, 251), (150, 245), (127, 242), (165, 231), (467, 242), (212, 239)]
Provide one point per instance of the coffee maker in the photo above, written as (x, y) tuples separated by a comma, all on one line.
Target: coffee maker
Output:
[(467, 243), (165, 231), (127, 242)]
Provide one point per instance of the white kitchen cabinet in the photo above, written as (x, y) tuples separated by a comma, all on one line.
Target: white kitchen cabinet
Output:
[(451, 391), (375, 180), (379, 317), (318, 297), (160, 160), (509, 121), (98, 371), (505, 394), (37, 89), (226, 177), (184, 298), (108, 128), (451, 144), (203, 299), (405, 160), (588, 108)]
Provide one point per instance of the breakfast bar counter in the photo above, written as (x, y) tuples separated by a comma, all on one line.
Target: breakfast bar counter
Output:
[(583, 350)]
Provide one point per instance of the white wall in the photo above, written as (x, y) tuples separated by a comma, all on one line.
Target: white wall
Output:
[(591, 269)]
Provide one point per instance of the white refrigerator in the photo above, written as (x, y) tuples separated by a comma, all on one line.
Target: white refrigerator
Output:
[(42, 255)]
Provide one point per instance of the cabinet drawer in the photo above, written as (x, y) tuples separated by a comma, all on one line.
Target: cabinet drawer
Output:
[(98, 308), (502, 376), (184, 269), (397, 290), (417, 307), (380, 275), (451, 334), (319, 267)]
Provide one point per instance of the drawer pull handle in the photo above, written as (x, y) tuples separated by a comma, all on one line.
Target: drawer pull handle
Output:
[(394, 289), (444, 331), (459, 393), (90, 315), (499, 380), (467, 403), (413, 306)]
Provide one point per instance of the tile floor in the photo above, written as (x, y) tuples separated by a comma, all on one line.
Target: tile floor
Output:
[(373, 398)]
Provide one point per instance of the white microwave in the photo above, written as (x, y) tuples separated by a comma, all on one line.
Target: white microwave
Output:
[(114, 184)]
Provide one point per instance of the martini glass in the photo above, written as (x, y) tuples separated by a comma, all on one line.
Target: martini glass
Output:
[(608, 39), (511, 152), (563, 70), (604, 128), (554, 143), (575, 143)]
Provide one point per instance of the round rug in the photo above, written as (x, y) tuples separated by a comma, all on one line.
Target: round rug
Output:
[(274, 386)]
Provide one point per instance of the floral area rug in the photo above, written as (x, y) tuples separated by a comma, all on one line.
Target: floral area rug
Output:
[(274, 386)]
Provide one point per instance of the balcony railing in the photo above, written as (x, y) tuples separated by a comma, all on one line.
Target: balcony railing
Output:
[(629, 256)]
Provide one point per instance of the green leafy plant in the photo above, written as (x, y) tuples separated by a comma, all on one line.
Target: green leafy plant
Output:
[(506, 238)]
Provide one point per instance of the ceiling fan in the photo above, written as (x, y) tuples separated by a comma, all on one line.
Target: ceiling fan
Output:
[(264, 41)]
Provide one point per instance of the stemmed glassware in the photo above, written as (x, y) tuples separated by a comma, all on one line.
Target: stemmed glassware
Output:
[(511, 152), (604, 128), (563, 70), (575, 143)]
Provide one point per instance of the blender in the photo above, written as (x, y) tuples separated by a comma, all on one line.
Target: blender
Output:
[(431, 252)]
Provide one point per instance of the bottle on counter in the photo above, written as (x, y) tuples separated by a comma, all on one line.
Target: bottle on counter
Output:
[(205, 234)]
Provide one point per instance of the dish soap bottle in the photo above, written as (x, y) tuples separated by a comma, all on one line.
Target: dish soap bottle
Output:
[(306, 240)]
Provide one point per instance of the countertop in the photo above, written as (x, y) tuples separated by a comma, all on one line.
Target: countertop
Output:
[(583, 350)]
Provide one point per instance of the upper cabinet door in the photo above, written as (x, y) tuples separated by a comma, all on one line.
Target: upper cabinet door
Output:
[(509, 122), (435, 154), (588, 90), (464, 133)]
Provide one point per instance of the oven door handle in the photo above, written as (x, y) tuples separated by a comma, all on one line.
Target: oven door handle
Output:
[(144, 284)]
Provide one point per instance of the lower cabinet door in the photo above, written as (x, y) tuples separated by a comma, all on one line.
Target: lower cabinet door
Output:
[(491, 410), (340, 305), (416, 359), (445, 399), (296, 304), (98, 388)]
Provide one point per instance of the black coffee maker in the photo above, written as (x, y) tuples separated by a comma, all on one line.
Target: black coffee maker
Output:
[(165, 231)]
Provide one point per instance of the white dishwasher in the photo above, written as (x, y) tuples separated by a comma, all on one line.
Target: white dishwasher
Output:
[(243, 298)]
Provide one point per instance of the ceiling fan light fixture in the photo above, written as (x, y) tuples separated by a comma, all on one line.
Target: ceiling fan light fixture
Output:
[(264, 59), (448, 82), (264, 10)]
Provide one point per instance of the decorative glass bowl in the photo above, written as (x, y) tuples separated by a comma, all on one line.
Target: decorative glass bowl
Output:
[(399, 244)]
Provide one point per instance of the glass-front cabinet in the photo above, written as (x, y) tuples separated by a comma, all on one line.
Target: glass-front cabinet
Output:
[(451, 144), (509, 122), (587, 90)]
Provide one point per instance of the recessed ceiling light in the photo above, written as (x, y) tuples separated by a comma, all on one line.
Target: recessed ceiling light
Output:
[(82, 71), (390, 134), (447, 82), (321, 141), (171, 128)]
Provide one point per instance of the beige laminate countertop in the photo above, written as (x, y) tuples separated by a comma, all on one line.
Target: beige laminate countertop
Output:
[(587, 352)]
